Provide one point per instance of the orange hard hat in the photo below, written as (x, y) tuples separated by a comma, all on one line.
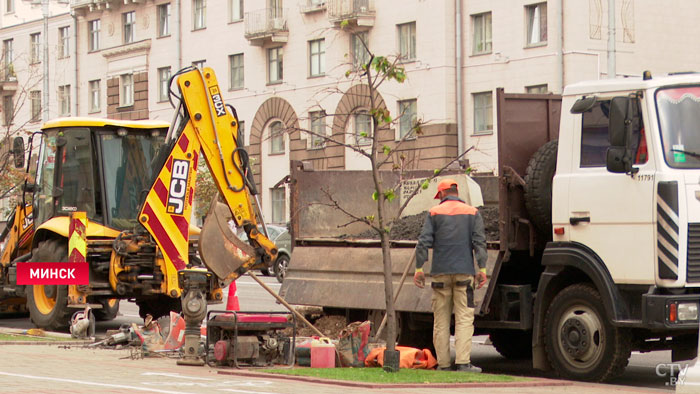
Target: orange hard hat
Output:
[(444, 185)]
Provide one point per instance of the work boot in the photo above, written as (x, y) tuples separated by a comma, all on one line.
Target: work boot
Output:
[(467, 368), (450, 368)]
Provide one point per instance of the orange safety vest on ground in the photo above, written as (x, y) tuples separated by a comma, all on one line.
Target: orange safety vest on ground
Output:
[(409, 357)]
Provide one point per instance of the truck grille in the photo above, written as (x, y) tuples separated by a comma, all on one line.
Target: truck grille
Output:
[(693, 252)]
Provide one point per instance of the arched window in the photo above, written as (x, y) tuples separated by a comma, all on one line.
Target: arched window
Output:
[(276, 137), (363, 127)]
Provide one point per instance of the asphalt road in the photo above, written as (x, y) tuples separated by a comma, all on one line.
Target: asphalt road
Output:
[(641, 372)]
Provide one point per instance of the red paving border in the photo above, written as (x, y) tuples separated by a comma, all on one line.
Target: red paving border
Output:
[(532, 382)]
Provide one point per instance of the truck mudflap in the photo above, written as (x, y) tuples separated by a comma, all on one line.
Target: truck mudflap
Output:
[(350, 274)]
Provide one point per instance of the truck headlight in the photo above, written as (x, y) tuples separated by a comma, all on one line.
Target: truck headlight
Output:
[(687, 311)]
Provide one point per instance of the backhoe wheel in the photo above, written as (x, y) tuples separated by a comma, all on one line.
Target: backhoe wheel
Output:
[(281, 265), (109, 311), (48, 305), (159, 306), (512, 344), (581, 343), (538, 186)]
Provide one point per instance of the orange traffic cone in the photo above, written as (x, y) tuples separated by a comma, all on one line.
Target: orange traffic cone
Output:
[(232, 301)]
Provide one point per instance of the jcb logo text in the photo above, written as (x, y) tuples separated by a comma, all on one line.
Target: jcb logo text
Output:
[(178, 187)]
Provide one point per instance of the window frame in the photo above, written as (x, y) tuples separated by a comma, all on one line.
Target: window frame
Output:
[(360, 54), (484, 110), (199, 14), (95, 96), (163, 83), (486, 42), (278, 61), (317, 125), (8, 116), (537, 89), (128, 27), (63, 42), (241, 12), (64, 100), (541, 10), (360, 140), (317, 57), (403, 117), (238, 70), (274, 199), (35, 48), (409, 42), (126, 90), (8, 58), (94, 27), (164, 16), (9, 6), (34, 109), (276, 134)]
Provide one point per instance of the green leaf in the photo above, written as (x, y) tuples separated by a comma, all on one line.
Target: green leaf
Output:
[(375, 195), (344, 23), (347, 73), (436, 171), (389, 195), (363, 134), (425, 185), (386, 149), (369, 218), (469, 170)]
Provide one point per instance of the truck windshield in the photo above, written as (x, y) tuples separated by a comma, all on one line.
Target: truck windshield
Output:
[(127, 162), (679, 122)]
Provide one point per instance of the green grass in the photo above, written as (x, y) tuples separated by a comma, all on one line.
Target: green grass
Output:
[(377, 375), (30, 338)]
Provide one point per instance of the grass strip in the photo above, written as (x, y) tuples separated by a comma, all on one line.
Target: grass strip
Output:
[(377, 375)]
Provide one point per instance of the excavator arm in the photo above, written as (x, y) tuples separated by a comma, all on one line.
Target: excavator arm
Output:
[(205, 128)]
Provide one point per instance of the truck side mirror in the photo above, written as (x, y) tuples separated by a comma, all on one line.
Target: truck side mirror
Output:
[(18, 151), (623, 133)]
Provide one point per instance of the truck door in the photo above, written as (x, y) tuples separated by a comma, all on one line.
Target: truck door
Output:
[(612, 213)]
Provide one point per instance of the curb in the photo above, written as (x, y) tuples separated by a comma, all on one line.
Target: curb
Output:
[(533, 382)]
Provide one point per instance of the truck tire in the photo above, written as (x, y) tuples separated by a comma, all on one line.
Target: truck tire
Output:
[(48, 305), (159, 306), (580, 342), (109, 311), (538, 186), (512, 344)]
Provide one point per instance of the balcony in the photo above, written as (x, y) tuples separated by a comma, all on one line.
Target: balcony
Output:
[(266, 25), (313, 6), (85, 6), (355, 12)]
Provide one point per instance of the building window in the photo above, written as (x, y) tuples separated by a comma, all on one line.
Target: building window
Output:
[(318, 129), (94, 35), (9, 6), (163, 83), (164, 20), (408, 114), (276, 137), (482, 33), (129, 23), (407, 41), (8, 59), (236, 63), (35, 104), (537, 89), (64, 100), (363, 127), (274, 61), (35, 48), (63, 42), (483, 113), (360, 54), (95, 96), (317, 57), (8, 110), (200, 14), (278, 200), (126, 91), (536, 23), (235, 8)]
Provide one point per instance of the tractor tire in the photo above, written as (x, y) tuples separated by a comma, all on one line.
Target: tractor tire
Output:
[(109, 311), (280, 268), (48, 305), (538, 186), (580, 342), (159, 306), (512, 344)]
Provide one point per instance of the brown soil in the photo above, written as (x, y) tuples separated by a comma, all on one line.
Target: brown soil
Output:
[(330, 326), (490, 216)]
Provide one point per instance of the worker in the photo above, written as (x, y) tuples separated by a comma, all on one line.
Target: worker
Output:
[(455, 232)]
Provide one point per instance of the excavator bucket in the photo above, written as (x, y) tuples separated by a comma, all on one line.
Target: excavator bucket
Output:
[(220, 249)]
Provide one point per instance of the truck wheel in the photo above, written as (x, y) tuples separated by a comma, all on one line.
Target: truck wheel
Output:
[(512, 344), (581, 343), (538, 186), (281, 265), (109, 311), (159, 306), (48, 305)]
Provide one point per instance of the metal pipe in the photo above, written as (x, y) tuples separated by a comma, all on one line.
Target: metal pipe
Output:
[(76, 105), (611, 39), (45, 103), (178, 31), (458, 75), (560, 53)]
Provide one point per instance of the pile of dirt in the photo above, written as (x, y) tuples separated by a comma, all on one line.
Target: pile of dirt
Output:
[(490, 216), (329, 325)]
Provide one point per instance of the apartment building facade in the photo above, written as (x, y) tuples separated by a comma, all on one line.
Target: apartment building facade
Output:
[(283, 64)]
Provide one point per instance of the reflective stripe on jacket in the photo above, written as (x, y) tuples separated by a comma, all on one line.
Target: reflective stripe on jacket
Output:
[(455, 231)]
